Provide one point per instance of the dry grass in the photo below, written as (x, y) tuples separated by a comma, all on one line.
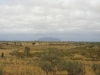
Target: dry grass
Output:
[(86, 53)]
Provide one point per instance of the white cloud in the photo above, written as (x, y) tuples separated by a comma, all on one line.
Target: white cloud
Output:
[(50, 17)]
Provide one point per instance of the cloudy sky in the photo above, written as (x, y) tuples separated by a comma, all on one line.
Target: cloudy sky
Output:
[(69, 20)]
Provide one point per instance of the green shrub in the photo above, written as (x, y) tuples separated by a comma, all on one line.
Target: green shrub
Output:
[(27, 50), (74, 68), (50, 60), (46, 66), (2, 54), (33, 43), (96, 68), (1, 71)]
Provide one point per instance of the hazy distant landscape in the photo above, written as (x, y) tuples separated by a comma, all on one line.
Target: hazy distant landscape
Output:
[(49, 39)]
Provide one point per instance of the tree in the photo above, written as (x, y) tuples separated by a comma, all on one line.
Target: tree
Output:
[(1, 71), (2, 54), (33, 43), (27, 50), (50, 60), (46, 66)]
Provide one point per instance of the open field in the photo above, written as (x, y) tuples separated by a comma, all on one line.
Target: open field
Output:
[(48, 58)]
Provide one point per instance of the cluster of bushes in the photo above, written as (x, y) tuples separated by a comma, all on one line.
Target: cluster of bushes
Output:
[(52, 61), (25, 53)]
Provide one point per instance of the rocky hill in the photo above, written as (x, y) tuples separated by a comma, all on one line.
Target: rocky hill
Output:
[(48, 39)]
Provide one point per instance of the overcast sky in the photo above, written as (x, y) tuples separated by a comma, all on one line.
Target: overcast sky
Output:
[(69, 20)]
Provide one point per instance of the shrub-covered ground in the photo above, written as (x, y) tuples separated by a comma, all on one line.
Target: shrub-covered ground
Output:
[(49, 58)]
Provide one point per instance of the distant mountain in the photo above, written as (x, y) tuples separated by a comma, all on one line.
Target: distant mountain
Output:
[(48, 39)]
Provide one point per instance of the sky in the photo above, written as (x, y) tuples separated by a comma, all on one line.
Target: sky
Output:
[(68, 20)]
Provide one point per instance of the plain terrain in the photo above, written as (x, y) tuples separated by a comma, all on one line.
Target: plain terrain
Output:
[(24, 58)]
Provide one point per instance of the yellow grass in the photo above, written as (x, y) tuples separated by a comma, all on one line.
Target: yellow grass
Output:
[(28, 66)]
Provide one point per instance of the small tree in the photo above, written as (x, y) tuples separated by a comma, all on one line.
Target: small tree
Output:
[(2, 54), (1, 71), (46, 66), (27, 50), (50, 60), (33, 43)]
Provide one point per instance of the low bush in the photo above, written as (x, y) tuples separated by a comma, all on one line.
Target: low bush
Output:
[(74, 68), (1, 71), (96, 68)]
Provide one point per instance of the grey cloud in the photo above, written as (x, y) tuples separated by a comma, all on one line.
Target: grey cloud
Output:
[(75, 18)]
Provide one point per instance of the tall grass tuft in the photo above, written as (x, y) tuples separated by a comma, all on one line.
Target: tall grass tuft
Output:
[(1, 71)]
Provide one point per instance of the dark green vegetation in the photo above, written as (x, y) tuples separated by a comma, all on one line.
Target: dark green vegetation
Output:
[(74, 68), (2, 55), (96, 68), (27, 51), (52, 61), (1, 71)]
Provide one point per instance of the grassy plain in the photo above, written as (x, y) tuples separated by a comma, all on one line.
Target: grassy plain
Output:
[(15, 62)]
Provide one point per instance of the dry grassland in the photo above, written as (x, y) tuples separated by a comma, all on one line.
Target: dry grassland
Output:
[(15, 62)]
